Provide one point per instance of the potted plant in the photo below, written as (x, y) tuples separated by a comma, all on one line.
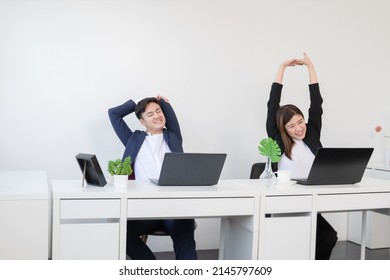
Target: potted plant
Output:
[(269, 147), (120, 170)]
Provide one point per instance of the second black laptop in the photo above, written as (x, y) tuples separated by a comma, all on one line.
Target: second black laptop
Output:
[(190, 169), (338, 166)]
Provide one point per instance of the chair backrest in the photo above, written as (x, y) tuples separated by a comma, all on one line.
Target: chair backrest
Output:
[(258, 168)]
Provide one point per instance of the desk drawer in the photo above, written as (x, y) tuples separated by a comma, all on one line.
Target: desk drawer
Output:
[(288, 204), (190, 207), (354, 201), (90, 208)]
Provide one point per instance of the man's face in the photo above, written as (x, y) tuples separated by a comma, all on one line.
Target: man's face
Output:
[(296, 127), (153, 118)]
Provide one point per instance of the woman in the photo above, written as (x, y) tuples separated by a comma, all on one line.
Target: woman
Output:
[(299, 140)]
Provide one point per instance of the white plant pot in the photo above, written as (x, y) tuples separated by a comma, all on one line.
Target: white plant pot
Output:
[(120, 181)]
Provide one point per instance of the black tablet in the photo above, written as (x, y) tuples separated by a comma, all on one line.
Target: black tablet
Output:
[(92, 173)]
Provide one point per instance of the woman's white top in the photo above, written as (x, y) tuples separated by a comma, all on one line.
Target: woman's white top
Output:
[(302, 160), (150, 157)]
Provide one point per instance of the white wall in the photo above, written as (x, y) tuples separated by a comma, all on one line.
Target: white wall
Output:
[(64, 63)]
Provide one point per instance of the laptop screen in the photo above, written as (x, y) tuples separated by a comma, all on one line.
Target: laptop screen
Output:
[(191, 169), (338, 166)]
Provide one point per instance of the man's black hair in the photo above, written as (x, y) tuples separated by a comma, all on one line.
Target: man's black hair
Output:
[(140, 107)]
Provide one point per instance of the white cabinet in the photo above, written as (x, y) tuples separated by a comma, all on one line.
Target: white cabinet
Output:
[(378, 224), (24, 215), (287, 237), (89, 229), (287, 228)]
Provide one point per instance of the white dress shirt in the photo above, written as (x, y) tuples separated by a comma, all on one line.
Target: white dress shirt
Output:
[(302, 160), (150, 157)]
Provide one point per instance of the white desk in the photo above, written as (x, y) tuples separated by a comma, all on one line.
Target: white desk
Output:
[(24, 215), (90, 222), (290, 232)]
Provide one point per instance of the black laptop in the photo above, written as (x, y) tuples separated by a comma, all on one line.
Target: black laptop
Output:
[(190, 169), (338, 166)]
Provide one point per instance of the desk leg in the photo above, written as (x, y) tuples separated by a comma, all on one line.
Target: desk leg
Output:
[(122, 229), (223, 238), (363, 240), (261, 235), (313, 232), (238, 239), (55, 249)]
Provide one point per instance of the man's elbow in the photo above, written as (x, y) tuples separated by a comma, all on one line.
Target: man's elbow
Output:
[(111, 113)]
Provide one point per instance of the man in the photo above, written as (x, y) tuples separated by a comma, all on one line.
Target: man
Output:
[(147, 149)]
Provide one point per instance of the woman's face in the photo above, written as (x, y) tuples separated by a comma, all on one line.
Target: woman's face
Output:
[(296, 127)]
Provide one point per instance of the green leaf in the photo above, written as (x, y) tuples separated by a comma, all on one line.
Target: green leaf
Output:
[(269, 147), (117, 167)]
